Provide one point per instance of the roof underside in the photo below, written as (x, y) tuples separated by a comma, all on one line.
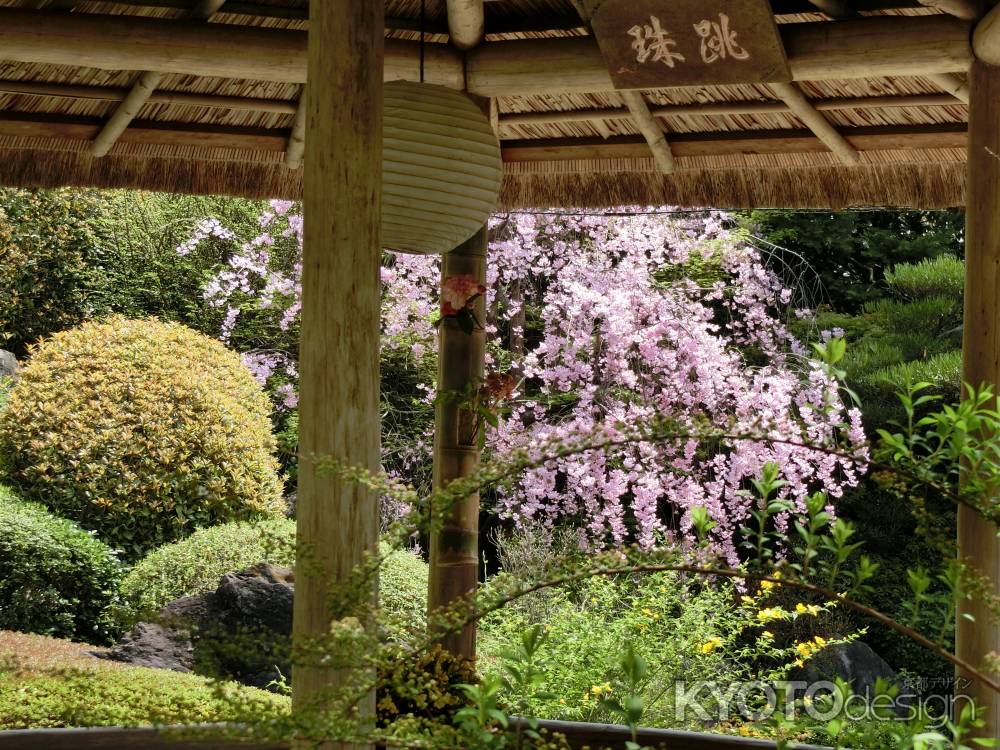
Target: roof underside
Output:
[(735, 145)]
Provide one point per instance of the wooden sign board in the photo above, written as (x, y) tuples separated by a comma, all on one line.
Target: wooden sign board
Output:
[(652, 44)]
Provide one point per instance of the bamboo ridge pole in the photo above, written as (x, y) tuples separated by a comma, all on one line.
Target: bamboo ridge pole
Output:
[(977, 537), (337, 521), (872, 46), (454, 549)]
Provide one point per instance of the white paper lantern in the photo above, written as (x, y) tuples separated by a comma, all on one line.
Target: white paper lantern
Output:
[(441, 168)]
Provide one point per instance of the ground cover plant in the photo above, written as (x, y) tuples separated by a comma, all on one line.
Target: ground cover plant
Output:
[(47, 682)]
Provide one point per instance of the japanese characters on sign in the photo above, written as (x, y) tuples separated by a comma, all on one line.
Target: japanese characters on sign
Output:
[(651, 43)]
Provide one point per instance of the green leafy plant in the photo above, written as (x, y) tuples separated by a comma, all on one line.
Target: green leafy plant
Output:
[(142, 431), (55, 578)]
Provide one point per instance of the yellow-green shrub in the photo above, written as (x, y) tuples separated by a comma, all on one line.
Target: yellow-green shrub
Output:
[(48, 682), (142, 431)]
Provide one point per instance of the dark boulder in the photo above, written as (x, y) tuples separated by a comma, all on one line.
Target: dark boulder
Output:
[(240, 631), (8, 367), (856, 664)]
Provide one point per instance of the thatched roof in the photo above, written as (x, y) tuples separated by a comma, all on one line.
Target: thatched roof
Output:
[(734, 145)]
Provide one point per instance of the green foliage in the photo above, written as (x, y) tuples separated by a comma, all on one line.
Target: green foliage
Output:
[(112, 695), (142, 431), (851, 251), (670, 621), (55, 578), (942, 373), (143, 274), (49, 270), (942, 276), (195, 565)]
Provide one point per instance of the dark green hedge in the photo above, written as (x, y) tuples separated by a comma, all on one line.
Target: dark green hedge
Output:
[(55, 578)]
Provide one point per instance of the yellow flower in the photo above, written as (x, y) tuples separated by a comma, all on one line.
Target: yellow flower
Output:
[(799, 663), (807, 700), (804, 650), (647, 611), (596, 689), (767, 634), (746, 599), (800, 608), (813, 609), (819, 641), (563, 701), (767, 585), (710, 645), (744, 731), (770, 613)]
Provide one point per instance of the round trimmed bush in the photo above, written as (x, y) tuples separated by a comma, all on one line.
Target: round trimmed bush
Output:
[(55, 578), (195, 565), (142, 431)]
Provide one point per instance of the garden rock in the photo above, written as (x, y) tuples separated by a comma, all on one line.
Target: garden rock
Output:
[(240, 631), (855, 663), (8, 366)]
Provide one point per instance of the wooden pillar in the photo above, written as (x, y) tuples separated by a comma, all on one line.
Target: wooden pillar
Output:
[(339, 416), (977, 540), (454, 549)]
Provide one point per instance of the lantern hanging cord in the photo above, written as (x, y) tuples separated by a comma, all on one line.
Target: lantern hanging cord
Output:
[(422, 17)]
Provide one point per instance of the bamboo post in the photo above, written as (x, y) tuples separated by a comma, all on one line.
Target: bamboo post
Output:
[(977, 537), (454, 548), (339, 416)]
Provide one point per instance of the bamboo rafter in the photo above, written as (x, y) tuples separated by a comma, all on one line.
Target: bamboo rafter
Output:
[(142, 89), (814, 120)]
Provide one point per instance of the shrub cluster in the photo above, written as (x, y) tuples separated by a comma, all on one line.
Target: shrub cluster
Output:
[(55, 578), (195, 565), (142, 431)]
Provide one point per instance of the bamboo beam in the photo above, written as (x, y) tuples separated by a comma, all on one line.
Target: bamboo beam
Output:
[(117, 94), (466, 23), (967, 10), (732, 144), (986, 38), (977, 537), (337, 520), (275, 140), (142, 89), (454, 548), (650, 130), (952, 84), (861, 48), (20, 125), (819, 125), (723, 108), (297, 138)]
